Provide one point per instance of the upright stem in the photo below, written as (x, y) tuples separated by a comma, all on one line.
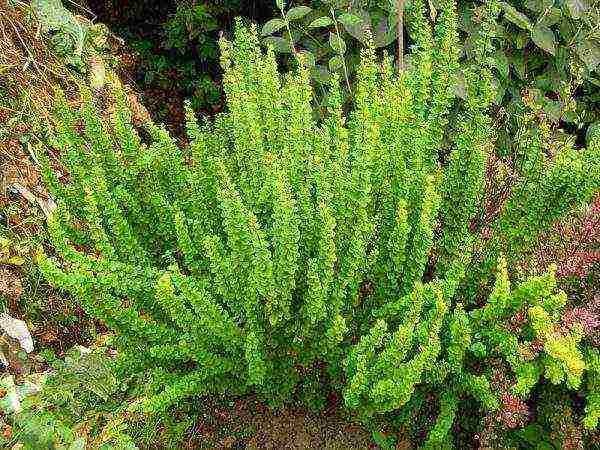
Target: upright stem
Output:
[(400, 32), (337, 32)]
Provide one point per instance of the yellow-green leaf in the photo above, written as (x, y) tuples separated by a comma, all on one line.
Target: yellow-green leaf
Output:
[(350, 20), (321, 22)]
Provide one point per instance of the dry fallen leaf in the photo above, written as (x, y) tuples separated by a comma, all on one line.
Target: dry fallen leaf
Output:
[(17, 329)]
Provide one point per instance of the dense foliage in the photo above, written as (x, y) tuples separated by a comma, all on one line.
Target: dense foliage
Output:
[(175, 46), (281, 250), (549, 48)]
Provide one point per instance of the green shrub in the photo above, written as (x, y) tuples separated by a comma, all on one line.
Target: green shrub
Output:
[(278, 244)]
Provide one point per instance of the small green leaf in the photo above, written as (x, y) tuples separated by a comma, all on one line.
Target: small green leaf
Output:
[(518, 18), (336, 63), (589, 52), (279, 44), (592, 132), (280, 4), (78, 444), (298, 12), (349, 20), (272, 26), (337, 43), (576, 8), (478, 349), (544, 38), (324, 21)]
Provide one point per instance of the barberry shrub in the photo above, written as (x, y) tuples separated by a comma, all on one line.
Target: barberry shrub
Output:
[(278, 244)]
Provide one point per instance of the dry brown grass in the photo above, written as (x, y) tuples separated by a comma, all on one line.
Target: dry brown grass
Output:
[(26, 62)]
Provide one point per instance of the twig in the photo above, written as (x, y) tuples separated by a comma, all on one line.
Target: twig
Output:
[(82, 7), (400, 32)]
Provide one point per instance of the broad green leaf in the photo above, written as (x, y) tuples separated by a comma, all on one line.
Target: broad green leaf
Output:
[(566, 29), (553, 109), (500, 62), (13, 261), (531, 434), (336, 63), (516, 17), (349, 20), (272, 26), (308, 58), (385, 31), (539, 5), (337, 43), (576, 8), (594, 81), (55, 18), (500, 91), (519, 66), (320, 74), (324, 21), (359, 30), (551, 17), (478, 348), (544, 38), (298, 12), (521, 39), (589, 52), (383, 441), (279, 44)]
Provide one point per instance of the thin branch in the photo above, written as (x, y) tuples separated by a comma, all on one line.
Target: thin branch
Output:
[(337, 32), (400, 32)]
